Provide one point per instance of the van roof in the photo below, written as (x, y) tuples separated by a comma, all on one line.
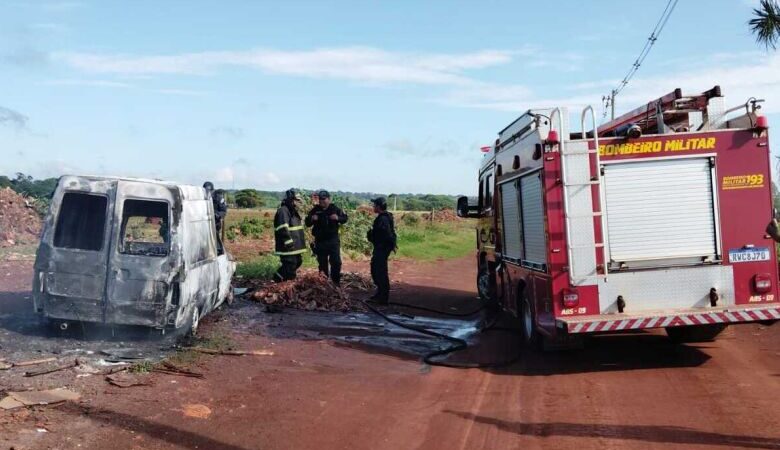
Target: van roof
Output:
[(189, 191)]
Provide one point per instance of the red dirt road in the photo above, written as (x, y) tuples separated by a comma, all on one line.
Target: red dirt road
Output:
[(637, 391)]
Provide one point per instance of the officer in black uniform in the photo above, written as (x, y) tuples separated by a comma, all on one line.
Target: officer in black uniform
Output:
[(289, 236), (220, 211), (382, 235), (325, 220)]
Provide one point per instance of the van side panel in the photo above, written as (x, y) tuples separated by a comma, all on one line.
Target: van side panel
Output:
[(138, 289)]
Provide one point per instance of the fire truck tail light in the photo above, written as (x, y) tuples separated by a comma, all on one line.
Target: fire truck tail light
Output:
[(552, 138), (570, 299), (762, 282), (485, 149), (762, 122)]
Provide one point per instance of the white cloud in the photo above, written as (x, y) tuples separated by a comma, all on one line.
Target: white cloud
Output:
[(13, 119), (51, 27), (361, 64), (88, 82), (243, 174), (754, 75)]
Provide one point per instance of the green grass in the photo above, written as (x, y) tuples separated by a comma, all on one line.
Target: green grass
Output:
[(436, 241), (264, 266)]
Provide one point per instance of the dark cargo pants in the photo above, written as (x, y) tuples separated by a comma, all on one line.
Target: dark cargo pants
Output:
[(379, 273), (329, 258), (289, 268)]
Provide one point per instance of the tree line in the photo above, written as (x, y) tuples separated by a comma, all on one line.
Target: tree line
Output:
[(42, 189)]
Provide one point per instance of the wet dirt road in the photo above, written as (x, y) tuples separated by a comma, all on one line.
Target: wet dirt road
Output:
[(351, 381)]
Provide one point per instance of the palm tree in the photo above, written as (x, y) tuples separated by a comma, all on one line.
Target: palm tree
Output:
[(766, 23)]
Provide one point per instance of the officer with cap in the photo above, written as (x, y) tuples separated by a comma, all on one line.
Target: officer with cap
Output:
[(382, 235), (289, 236), (325, 220), (220, 211)]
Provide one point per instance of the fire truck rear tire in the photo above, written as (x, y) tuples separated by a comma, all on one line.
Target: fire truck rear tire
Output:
[(531, 337), (483, 284), (697, 333)]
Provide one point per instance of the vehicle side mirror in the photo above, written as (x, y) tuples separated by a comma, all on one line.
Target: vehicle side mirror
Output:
[(463, 207)]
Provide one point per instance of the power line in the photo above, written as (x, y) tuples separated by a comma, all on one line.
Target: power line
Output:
[(609, 100)]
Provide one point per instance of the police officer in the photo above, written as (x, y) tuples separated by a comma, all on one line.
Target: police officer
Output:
[(382, 235), (289, 236), (220, 211), (325, 220)]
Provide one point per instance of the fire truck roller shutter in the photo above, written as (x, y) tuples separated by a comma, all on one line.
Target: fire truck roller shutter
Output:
[(512, 229), (534, 239), (660, 212)]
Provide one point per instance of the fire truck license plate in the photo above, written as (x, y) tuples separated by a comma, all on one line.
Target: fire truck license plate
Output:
[(749, 255)]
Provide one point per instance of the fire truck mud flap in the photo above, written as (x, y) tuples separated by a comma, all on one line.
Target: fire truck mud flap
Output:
[(680, 318)]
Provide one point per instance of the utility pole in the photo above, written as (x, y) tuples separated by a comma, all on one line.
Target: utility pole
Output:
[(612, 102)]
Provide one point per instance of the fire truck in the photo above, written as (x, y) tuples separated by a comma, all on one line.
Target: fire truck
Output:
[(656, 219)]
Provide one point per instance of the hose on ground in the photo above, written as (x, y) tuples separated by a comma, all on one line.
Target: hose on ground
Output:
[(457, 343)]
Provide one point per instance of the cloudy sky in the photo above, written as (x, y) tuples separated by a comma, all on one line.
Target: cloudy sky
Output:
[(393, 96)]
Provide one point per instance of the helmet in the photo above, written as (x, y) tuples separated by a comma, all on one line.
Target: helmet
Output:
[(209, 186), (379, 201), (291, 195), (323, 194)]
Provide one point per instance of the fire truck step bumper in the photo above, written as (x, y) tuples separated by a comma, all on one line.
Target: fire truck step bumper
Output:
[(623, 322)]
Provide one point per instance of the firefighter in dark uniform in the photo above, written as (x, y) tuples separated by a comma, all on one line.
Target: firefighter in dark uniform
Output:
[(220, 211), (382, 235), (289, 236), (325, 220)]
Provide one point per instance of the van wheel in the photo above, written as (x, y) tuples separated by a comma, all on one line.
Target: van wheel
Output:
[(696, 333), (531, 338)]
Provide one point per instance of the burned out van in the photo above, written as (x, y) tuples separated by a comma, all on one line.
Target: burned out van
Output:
[(129, 252)]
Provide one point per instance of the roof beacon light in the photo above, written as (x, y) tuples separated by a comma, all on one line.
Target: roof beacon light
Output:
[(762, 123), (552, 138), (485, 149)]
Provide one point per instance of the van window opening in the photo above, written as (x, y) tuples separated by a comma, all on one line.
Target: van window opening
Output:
[(81, 222), (145, 228)]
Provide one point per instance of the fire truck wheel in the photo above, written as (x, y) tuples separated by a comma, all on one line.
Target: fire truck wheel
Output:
[(698, 333), (531, 338), (483, 284)]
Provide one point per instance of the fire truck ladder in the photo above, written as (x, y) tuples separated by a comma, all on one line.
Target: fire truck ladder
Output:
[(578, 180)]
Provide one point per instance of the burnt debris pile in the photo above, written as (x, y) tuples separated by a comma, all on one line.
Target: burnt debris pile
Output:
[(19, 222), (311, 291)]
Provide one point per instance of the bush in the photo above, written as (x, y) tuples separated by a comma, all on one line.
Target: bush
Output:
[(410, 219), (251, 227), (248, 198), (353, 233)]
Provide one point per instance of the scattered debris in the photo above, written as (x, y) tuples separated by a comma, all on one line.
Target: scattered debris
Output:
[(126, 380), (32, 398), (170, 369), (33, 362), (231, 352), (35, 373), (197, 411), (19, 222), (5, 365), (311, 291)]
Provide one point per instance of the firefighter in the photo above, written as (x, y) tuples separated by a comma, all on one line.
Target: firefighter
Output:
[(289, 237), (220, 211), (382, 236), (325, 220)]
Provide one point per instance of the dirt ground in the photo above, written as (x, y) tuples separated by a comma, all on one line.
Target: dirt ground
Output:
[(354, 381)]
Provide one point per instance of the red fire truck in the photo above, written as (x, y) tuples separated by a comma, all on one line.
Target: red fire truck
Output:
[(656, 219)]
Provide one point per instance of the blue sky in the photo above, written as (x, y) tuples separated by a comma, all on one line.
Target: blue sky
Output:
[(352, 95)]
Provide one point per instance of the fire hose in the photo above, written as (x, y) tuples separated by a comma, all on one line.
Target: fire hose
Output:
[(458, 344)]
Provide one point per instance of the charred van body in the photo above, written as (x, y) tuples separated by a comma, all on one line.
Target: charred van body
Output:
[(129, 252)]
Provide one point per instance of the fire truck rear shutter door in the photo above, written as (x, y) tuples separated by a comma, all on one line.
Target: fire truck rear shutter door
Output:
[(660, 210), (533, 219), (510, 209)]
